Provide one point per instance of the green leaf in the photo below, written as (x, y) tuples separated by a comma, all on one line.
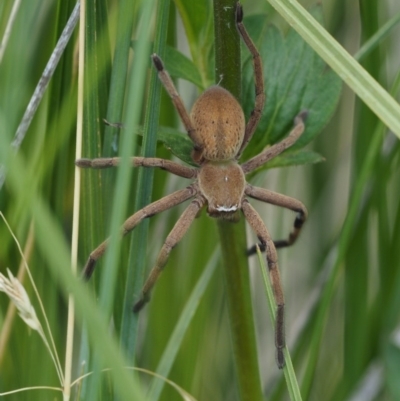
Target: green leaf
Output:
[(295, 79), (291, 158), (175, 141), (198, 23), (179, 66), (294, 158), (178, 143)]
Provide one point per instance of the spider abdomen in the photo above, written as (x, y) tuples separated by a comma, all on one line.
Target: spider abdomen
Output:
[(222, 184), (219, 123)]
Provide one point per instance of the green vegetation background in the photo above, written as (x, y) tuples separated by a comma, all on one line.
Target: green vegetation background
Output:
[(341, 279)]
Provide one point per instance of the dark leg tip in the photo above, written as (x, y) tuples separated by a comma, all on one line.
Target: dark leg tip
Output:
[(280, 358), (253, 250), (157, 62), (140, 304), (89, 268), (303, 115), (239, 13), (298, 222)]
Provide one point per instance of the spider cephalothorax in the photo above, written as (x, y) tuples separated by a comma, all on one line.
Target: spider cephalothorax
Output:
[(217, 127)]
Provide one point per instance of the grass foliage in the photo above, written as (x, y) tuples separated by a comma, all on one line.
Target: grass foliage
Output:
[(341, 279)]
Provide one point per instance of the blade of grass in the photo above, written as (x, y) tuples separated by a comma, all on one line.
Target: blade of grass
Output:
[(344, 242), (184, 394), (366, 171), (98, 185), (21, 390), (42, 85), (357, 327), (127, 17), (135, 95), (288, 371), (7, 31), (93, 215), (355, 76), (373, 325), (180, 329), (137, 255), (54, 250), (374, 40), (69, 346), (121, 192), (126, 12)]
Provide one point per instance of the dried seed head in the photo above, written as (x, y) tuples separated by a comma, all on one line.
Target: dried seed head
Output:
[(19, 297)]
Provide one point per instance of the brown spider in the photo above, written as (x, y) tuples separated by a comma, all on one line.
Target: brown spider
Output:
[(217, 127)]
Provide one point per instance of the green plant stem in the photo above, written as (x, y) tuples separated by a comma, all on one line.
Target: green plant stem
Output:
[(69, 343), (233, 245), (233, 236)]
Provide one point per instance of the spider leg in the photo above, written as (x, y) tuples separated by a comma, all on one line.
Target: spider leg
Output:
[(172, 167), (258, 77), (176, 100), (287, 202), (150, 210), (260, 229), (177, 233), (278, 148)]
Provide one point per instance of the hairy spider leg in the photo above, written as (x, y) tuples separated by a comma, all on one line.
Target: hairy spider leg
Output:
[(259, 100), (150, 210), (262, 233), (278, 148), (176, 234), (274, 198), (177, 101), (167, 165)]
